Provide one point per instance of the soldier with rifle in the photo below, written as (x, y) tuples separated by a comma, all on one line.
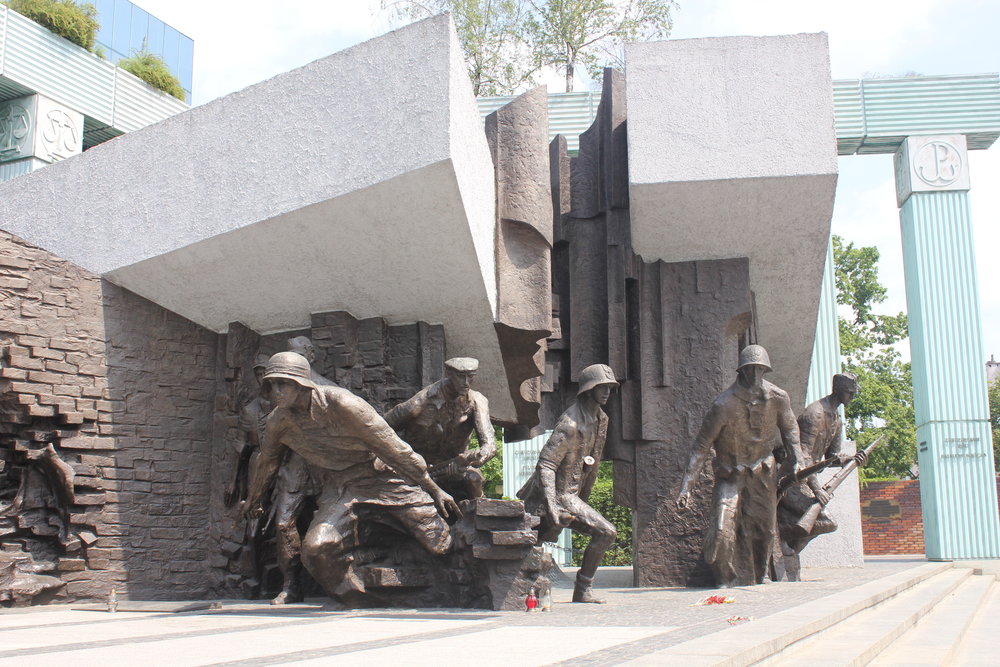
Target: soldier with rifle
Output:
[(746, 424), (820, 429)]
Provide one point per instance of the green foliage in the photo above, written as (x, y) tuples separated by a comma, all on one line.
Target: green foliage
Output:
[(602, 500), (76, 22), (150, 68), (506, 42), (884, 403), (492, 36), (591, 33), (994, 396), (493, 469), (858, 286)]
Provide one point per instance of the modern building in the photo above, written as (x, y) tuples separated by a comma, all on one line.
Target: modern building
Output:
[(127, 28), (58, 99)]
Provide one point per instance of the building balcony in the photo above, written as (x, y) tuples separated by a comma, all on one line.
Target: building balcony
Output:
[(112, 101)]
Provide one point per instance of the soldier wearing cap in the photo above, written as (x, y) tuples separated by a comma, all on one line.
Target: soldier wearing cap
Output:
[(820, 427), (347, 442), (746, 424), (438, 422), (565, 474)]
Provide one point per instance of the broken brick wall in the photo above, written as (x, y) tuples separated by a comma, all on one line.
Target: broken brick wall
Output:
[(120, 391)]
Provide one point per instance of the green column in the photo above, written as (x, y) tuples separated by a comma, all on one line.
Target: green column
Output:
[(954, 447), (826, 346)]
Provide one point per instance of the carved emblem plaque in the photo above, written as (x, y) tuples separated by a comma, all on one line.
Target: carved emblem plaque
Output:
[(937, 163)]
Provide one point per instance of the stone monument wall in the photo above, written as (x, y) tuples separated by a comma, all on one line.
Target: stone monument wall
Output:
[(383, 364), (671, 331), (105, 420)]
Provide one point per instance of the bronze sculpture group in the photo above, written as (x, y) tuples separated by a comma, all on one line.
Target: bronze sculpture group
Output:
[(408, 469)]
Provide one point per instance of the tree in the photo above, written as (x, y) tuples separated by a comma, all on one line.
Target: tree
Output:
[(602, 500), (506, 42), (591, 33), (884, 404), (492, 470), (492, 34)]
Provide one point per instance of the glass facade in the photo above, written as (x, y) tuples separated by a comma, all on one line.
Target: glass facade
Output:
[(125, 28)]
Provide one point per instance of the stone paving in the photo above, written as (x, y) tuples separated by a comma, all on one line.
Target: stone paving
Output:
[(633, 623)]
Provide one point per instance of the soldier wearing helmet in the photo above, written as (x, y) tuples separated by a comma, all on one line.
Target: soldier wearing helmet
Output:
[(346, 441), (746, 424), (820, 427), (438, 422), (567, 468)]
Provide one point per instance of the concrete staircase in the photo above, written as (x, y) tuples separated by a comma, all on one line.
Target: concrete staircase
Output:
[(933, 614)]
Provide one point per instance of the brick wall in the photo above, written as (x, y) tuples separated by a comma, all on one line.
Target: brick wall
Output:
[(121, 391), (891, 519)]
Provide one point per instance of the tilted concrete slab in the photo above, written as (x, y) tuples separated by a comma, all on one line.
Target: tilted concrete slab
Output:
[(360, 182), (733, 153)]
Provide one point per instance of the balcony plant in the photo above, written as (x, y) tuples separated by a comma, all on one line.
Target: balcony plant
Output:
[(76, 22), (150, 68)]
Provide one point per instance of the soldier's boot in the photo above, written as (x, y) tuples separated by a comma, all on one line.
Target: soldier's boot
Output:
[(291, 591), (583, 590)]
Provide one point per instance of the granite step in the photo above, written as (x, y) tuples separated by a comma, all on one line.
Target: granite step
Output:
[(765, 637), (860, 639), (934, 639), (979, 645)]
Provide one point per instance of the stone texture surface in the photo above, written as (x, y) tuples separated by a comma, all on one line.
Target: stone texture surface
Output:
[(359, 182), (518, 139), (670, 331), (131, 417), (732, 153)]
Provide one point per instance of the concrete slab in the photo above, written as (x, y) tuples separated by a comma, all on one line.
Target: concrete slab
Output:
[(979, 645), (933, 640), (360, 182), (732, 153)]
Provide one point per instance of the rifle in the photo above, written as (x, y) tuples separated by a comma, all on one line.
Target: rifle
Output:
[(788, 480), (805, 525)]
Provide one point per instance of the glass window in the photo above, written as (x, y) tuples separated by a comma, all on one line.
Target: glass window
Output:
[(140, 23), (185, 62), (122, 27), (171, 44), (106, 20), (155, 35)]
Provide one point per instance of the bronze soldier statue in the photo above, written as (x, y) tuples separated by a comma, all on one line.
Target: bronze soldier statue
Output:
[(820, 427), (250, 426), (565, 474), (346, 442), (438, 422), (291, 490), (743, 426)]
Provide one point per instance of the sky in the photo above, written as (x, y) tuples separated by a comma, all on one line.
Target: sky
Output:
[(239, 44)]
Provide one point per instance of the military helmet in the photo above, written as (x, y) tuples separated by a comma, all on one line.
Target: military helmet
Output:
[(754, 355), (290, 366), (260, 361), (596, 375)]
